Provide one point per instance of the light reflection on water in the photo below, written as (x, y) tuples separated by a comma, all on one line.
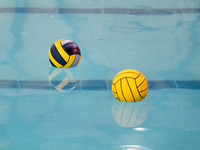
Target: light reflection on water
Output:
[(133, 147)]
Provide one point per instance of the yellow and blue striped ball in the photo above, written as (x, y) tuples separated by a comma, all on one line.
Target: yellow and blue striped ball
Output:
[(64, 54)]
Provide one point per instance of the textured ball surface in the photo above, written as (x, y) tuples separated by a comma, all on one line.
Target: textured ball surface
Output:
[(129, 86), (64, 54)]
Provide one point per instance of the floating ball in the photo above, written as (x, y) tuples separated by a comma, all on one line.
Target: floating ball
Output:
[(129, 86), (64, 54)]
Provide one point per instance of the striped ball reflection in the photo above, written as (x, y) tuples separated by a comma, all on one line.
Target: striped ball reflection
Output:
[(63, 79)]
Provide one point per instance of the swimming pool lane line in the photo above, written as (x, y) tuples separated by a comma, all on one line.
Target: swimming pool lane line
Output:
[(127, 11), (95, 85)]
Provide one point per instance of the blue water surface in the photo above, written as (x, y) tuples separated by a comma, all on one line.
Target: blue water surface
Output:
[(159, 39)]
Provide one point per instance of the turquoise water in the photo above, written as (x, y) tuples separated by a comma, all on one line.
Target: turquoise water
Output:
[(159, 39)]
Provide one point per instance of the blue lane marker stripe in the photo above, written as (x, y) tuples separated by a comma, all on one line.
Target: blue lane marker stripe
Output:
[(162, 84), (129, 11), (188, 84), (94, 85)]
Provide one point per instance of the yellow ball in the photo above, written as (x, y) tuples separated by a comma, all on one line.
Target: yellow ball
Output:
[(129, 86)]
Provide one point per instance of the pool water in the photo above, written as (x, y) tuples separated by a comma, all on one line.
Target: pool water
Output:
[(42, 107)]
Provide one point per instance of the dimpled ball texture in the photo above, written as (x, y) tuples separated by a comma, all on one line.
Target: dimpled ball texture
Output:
[(64, 54), (129, 86)]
